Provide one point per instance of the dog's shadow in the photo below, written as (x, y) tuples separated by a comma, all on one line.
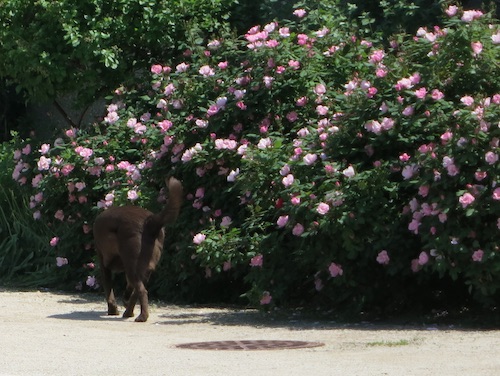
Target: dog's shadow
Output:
[(85, 316)]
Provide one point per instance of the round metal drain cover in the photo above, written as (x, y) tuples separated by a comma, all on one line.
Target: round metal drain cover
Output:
[(249, 345)]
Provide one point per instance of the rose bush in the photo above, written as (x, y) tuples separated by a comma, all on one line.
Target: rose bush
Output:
[(318, 163)]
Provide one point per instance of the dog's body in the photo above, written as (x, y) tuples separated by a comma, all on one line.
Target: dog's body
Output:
[(130, 239)]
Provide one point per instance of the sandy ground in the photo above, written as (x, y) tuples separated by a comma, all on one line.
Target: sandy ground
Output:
[(47, 333)]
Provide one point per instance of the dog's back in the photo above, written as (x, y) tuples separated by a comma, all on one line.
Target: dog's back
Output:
[(117, 234)]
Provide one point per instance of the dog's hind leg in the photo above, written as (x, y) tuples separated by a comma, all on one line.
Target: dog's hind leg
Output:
[(142, 294), (127, 294), (107, 281)]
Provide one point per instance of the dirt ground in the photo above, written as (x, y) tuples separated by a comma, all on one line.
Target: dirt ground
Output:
[(48, 333)]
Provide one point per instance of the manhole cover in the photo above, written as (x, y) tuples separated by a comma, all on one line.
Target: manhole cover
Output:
[(249, 345)]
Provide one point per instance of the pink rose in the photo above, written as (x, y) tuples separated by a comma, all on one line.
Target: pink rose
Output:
[(383, 258), (288, 180), (257, 261), (299, 13), (423, 258), (451, 10), (477, 256), (323, 208), (437, 95), (282, 221), (309, 159), (59, 215), (496, 194), (491, 157), (61, 261), (477, 48), (199, 238), (132, 195), (156, 69), (266, 298), (466, 199), (467, 100), (423, 190), (298, 229), (54, 241), (421, 93), (335, 270)]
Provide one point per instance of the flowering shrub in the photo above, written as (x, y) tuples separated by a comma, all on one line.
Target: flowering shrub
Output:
[(317, 163)]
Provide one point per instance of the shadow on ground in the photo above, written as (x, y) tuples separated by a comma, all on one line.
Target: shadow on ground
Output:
[(292, 319)]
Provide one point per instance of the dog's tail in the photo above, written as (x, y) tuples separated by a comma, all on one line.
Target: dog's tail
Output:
[(170, 212)]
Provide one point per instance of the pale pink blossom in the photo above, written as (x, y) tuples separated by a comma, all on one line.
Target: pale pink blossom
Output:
[(408, 111), (282, 221), (320, 89), (467, 100), (44, 149), (322, 110), (284, 32), (233, 174), (323, 208), (496, 194), (132, 195), (91, 282), (206, 71), (383, 257), (437, 95), (423, 190), (54, 241), (470, 15), (421, 93), (298, 229), (59, 215), (477, 256), (451, 10), (257, 261), (423, 258), (309, 159), (409, 171), (61, 261), (349, 172), (495, 38), (156, 69), (477, 48), (299, 13), (491, 157), (44, 163), (466, 199), (199, 238), (288, 180), (266, 298), (182, 67), (226, 221), (111, 117), (377, 56), (264, 143), (335, 270), (292, 116), (26, 150)]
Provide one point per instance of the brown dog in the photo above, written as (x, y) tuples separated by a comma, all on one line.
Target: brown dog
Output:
[(130, 239)]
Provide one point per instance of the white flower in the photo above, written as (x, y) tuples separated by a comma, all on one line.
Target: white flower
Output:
[(349, 172)]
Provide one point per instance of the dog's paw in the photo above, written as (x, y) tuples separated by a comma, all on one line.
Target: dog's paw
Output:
[(141, 318), (128, 313)]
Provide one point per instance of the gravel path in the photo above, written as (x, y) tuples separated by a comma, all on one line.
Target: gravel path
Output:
[(47, 333)]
